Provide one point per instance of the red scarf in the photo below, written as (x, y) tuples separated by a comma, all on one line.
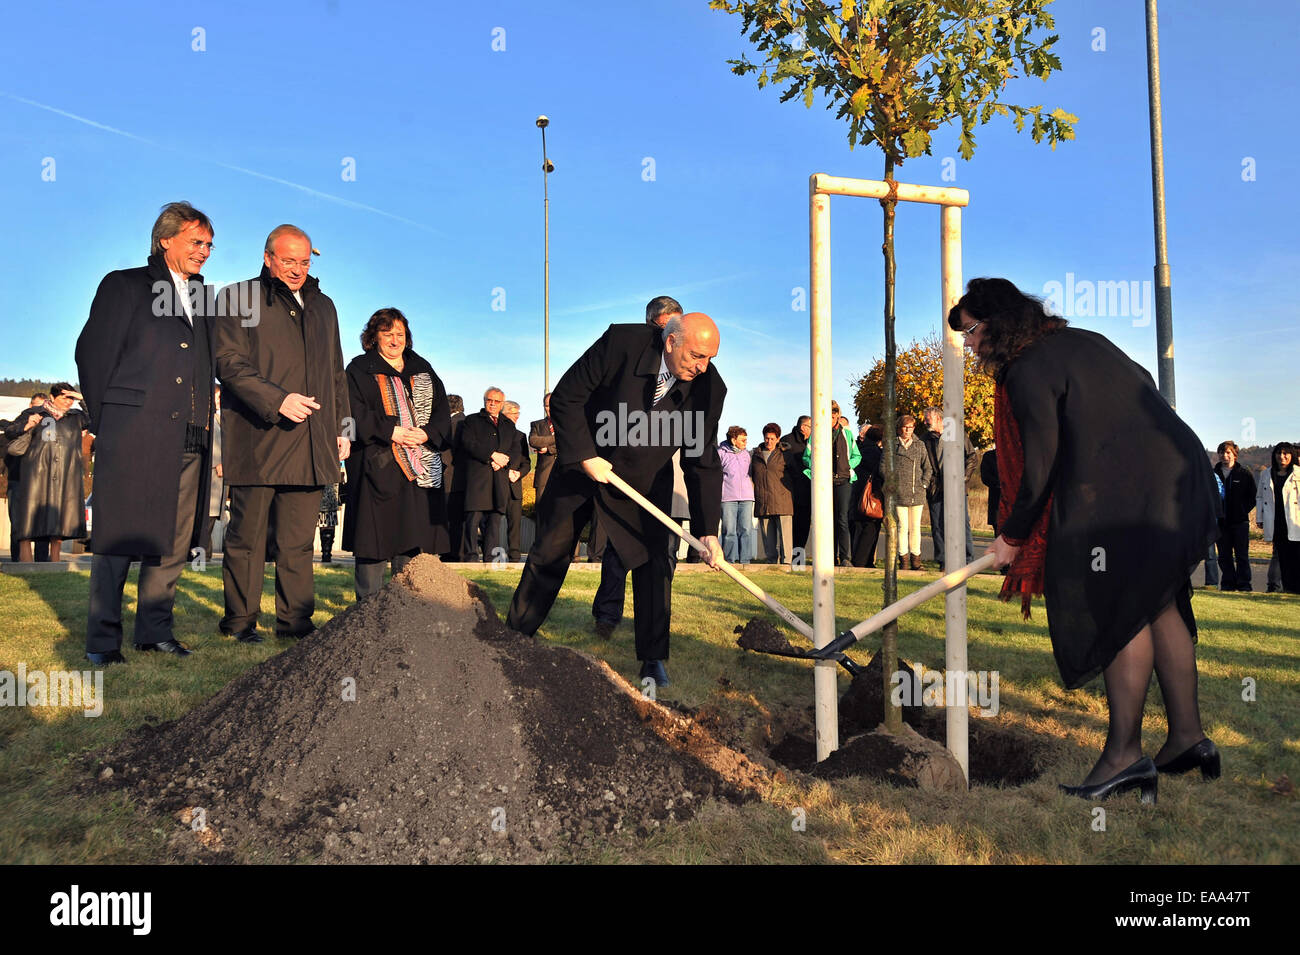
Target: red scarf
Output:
[(1025, 575)]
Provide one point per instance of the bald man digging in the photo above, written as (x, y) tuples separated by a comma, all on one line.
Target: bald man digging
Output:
[(635, 397)]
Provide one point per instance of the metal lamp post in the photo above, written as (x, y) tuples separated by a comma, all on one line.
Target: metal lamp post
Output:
[(548, 167)]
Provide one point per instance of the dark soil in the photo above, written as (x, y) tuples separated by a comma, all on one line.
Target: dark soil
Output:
[(464, 742), (760, 635), (902, 759), (1001, 754)]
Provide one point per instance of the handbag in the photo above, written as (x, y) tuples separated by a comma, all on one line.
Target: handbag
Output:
[(869, 505)]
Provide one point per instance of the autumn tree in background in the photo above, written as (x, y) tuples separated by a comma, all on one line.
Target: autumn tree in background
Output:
[(919, 385), (897, 70)]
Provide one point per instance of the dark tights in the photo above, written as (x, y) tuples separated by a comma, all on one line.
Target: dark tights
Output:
[(1166, 646)]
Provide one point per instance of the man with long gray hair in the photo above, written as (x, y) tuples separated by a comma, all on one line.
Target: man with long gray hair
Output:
[(145, 368)]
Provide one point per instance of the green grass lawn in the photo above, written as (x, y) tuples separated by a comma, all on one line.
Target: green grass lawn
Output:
[(1244, 637)]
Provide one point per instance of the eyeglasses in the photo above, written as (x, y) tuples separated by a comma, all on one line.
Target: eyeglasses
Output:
[(966, 331), (290, 263)]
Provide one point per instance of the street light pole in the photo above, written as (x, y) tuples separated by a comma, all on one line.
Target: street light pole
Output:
[(1164, 294), (547, 168)]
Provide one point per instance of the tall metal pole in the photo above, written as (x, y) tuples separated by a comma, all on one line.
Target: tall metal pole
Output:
[(547, 168), (1164, 297)]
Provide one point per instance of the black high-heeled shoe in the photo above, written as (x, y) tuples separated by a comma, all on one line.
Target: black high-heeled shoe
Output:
[(1141, 776), (1204, 754)]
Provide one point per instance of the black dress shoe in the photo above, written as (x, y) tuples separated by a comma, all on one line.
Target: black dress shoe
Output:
[(604, 630), (293, 634), (249, 635), (1141, 776), (165, 646), (103, 659), (1204, 755)]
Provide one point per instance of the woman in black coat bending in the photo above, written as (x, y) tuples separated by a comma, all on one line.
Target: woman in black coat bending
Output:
[(1108, 527), (394, 495)]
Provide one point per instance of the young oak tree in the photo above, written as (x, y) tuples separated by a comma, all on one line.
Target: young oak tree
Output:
[(897, 70), (919, 384)]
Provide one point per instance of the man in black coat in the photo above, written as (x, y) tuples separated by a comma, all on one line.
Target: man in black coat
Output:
[(932, 436), (800, 485), (144, 360), (488, 443), (541, 438), (1234, 524), (286, 423), (633, 398), (607, 604), (520, 464), (453, 482)]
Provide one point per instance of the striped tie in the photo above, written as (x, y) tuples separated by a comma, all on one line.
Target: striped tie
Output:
[(662, 387)]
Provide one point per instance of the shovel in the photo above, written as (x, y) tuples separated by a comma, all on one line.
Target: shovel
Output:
[(767, 599)]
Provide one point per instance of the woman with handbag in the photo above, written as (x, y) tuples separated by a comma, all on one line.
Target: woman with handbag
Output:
[(394, 495), (868, 510)]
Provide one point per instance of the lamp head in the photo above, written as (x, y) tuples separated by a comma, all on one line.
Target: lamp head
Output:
[(543, 122)]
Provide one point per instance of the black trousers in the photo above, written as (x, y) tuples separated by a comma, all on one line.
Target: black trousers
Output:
[(156, 591), (295, 510), (864, 547), (1234, 556), (841, 494), (480, 535), (456, 526), (565, 510), (514, 528), (607, 605)]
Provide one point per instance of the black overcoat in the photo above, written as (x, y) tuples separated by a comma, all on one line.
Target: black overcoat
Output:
[(268, 346), (618, 374), (49, 500), (485, 489), (1132, 510), (522, 462), (386, 513), (137, 372)]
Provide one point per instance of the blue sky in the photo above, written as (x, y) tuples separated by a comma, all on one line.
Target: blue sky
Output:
[(446, 206)]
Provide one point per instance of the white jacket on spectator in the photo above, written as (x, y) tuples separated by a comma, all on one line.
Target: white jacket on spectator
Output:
[(1265, 507)]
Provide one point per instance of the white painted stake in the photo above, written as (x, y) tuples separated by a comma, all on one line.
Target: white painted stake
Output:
[(954, 477), (822, 538)]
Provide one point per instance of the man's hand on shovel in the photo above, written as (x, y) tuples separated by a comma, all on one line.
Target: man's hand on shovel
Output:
[(598, 469), (711, 552)]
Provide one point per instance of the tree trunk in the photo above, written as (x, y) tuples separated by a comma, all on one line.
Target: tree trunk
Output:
[(889, 636)]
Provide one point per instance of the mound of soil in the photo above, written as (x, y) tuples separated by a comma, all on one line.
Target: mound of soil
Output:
[(414, 727)]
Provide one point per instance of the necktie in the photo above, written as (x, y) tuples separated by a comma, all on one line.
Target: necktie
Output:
[(662, 387)]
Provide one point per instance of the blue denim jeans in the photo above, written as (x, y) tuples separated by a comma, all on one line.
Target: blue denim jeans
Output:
[(738, 542)]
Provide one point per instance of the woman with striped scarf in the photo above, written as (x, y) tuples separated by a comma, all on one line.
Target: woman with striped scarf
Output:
[(394, 502)]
